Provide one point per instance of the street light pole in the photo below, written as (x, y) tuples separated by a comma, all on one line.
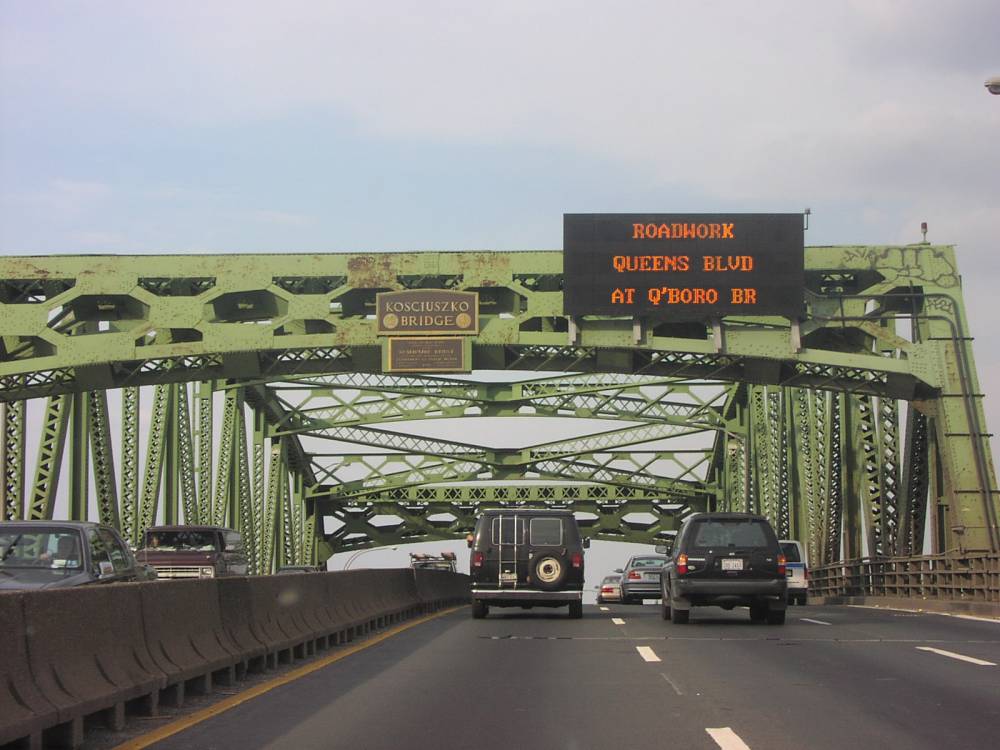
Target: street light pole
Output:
[(359, 553)]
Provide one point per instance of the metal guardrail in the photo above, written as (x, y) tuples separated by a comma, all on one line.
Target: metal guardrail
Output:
[(972, 577)]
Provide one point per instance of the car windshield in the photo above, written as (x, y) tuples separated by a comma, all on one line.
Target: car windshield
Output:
[(40, 548), (648, 562), (791, 552), (181, 540), (735, 532)]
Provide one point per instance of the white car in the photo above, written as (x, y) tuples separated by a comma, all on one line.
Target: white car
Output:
[(797, 570)]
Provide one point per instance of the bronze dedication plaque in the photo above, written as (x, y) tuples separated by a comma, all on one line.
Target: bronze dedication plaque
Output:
[(426, 354)]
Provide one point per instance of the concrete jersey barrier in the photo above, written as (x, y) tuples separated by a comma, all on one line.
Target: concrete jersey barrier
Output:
[(68, 654)]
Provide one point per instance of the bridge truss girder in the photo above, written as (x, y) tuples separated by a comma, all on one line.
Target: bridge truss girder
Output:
[(808, 432)]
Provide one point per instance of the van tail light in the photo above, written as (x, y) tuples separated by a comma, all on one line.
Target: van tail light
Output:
[(477, 559), (781, 565), (682, 564), (634, 575), (577, 560)]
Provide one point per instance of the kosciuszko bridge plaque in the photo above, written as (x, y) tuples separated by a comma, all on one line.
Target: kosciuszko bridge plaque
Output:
[(684, 266), (427, 313)]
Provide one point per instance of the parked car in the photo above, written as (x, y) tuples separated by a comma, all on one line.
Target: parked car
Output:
[(610, 590), (527, 558), (641, 578), (796, 570), (60, 554), (287, 569), (727, 560), (425, 561), (193, 551)]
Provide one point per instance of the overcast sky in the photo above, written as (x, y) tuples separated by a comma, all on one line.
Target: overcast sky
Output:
[(136, 127)]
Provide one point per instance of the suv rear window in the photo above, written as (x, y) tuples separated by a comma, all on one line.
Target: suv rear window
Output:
[(720, 532), (791, 552), (545, 532)]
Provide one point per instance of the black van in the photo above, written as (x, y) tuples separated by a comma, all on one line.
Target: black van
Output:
[(527, 558)]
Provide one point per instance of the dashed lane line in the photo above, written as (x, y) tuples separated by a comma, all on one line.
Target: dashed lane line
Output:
[(727, 739), (960, 657), (604, 609), (647, 653), (814, 622), (617, 621)]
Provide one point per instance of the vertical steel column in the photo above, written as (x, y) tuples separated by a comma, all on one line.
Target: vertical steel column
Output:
[(305, 547), (865, 487), (888, 441), (171, 458), (798, 463), (206, 438), (102, 450), (154, 460), (50, 454), (270, 549), (915, 485), (130, 464), (12, 417), (288, 525), (777, 445), (260, 490), (760, 459), (224, 480), (245, 501), (185, 451), (79, 456), (838, 469)]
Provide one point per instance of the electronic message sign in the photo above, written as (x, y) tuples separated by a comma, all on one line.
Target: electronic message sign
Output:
[(683, 266)]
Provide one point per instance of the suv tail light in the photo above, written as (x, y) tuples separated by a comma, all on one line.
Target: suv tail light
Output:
[(477, 559), (781, 565), (577, 560), (634, 575), (806, 572), (682, 564)]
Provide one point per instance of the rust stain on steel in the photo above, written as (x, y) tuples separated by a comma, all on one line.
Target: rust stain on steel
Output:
[(371, 272), (486, 269)]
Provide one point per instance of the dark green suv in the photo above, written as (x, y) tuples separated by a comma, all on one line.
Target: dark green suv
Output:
[(726, 560), (527, 558)]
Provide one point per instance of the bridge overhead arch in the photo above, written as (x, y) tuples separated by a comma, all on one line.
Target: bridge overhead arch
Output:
[(857, 427)]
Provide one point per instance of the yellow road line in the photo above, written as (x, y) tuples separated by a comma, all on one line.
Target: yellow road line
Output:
[(186, 722)]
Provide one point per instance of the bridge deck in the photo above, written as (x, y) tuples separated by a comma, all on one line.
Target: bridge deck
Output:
[(833, 677)]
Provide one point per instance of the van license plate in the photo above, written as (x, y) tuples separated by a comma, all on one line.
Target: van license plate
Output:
[(508, 577), (732, 563)]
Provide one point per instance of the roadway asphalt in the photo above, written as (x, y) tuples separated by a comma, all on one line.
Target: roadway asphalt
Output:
[(831, 677)]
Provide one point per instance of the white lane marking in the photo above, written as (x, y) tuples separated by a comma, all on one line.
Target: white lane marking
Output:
[(604, 609), (953, 655), (815, 622), (672, 683), (727, 739), (647, 653), (994, 620), (617, 621)]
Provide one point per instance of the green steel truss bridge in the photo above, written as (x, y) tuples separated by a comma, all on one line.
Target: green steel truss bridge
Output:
[(858, 429)]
